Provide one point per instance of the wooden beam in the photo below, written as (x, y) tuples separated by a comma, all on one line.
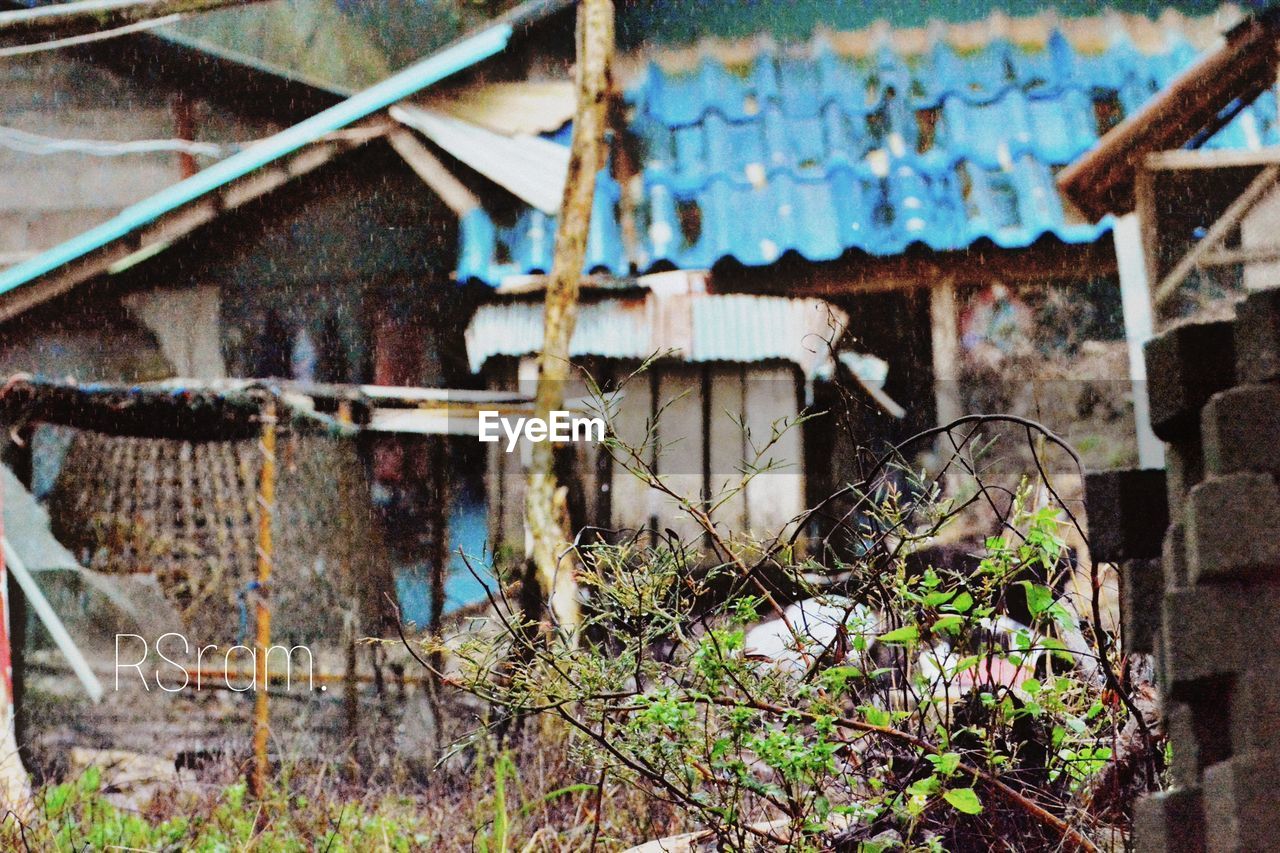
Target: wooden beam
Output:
[(1230, 257), (1219, 158), (864, 274), (1102, 181), (434, 173)]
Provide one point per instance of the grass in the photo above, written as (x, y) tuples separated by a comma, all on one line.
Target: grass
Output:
[(523, 799)]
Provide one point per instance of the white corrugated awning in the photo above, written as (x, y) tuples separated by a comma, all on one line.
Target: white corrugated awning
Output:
[(698, 327), (529, 167), (511, 108)]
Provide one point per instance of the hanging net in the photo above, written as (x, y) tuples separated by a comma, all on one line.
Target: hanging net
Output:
[(187, 513)]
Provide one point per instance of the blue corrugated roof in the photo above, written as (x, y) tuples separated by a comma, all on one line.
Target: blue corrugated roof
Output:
[(819, 152)]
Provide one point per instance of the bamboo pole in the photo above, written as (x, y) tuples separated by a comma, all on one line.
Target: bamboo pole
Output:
[(262, 638)]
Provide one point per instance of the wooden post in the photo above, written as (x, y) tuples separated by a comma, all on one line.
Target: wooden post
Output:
[(439, 460), (944, 325), (262, 638), (1139, 325), (351, 681), (586, 158)]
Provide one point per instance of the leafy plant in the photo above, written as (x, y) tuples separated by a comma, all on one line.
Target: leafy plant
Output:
[(886, 701)]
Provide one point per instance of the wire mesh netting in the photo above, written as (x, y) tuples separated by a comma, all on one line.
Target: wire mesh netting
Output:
[(186, 513)]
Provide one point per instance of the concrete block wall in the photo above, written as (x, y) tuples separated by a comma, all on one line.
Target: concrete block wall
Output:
[(1208, 602)]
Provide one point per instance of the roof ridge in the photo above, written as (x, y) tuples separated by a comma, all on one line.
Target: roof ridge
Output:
[(1085, 34)]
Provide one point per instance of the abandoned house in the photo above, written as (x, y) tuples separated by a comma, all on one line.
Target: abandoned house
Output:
[(885, 196)]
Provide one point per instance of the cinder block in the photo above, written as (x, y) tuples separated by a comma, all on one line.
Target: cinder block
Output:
[(1210, 633), (1179, 726), (1258, 336), (1240, 430), (1168, 821), (1241, 802), (1255, 706), (1141, 592), (1128, 513), (1185, 367), (1174, 557), (1184, 468), (1232, 525)]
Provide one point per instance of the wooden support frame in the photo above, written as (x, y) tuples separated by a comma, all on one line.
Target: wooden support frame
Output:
[(1230, 219), (433, 172), (1103, 180)]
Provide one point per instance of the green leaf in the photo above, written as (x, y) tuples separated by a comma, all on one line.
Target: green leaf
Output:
[(1039, 598), (933, 599), (946, 763), (875, 716), (924, 787), (903, 636), (948, 623), (963, 800), (962, 603)]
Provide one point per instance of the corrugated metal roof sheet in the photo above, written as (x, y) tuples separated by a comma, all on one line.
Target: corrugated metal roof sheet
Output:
[(875, 141), (531, 168), (699, 327), (512, 108), (610, 329)]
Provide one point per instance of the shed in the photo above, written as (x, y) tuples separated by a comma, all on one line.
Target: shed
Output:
[(726, 379)]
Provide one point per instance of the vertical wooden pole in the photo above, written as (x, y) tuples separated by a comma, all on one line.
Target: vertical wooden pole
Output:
[(944, 324), (351, 684), (440, 555), (587, 156), (262, 638)]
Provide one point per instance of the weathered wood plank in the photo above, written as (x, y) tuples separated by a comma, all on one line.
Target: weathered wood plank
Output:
[(727, 444), (776, 497)]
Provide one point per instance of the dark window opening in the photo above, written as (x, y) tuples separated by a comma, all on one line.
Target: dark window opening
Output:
[(332, 364)]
